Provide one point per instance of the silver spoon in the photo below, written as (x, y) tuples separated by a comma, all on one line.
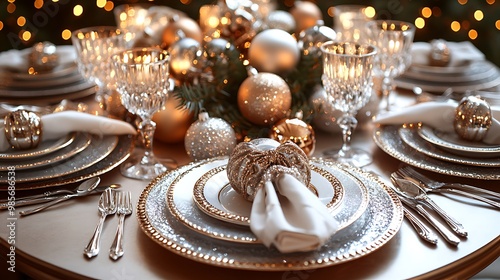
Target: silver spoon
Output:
[(85, 188), (413, 192)]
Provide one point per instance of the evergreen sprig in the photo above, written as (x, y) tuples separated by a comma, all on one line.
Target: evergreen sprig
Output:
[(219, 96)]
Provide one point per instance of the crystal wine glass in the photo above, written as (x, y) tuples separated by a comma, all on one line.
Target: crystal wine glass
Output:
[(393, 40), (142, 76), (94, 46), (347, 79)]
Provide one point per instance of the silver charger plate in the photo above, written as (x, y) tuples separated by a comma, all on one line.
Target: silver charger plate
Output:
[(99, 148), (410, 137), (118, 155), (79, 141), (45, 147), (387, 138), (183, 206), (378, 224), (214, 195), (452, 143)]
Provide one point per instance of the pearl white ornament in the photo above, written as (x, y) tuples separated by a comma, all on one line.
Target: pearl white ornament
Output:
[(274, 51)]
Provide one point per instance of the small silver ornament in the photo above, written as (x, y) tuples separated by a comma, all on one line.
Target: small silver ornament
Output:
[(209, 137)]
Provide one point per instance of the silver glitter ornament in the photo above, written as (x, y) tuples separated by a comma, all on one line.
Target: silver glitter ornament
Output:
[(209, 137)]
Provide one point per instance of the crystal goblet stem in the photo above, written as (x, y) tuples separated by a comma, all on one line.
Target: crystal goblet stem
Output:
[(347, 78), (142, 81)]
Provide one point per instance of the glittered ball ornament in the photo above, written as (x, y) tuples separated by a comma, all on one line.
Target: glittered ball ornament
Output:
[(310, 39), (209, 137), (274, 51), (264, 98), (297, 131)]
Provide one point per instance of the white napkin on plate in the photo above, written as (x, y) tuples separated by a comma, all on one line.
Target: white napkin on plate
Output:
[(59, 124), (288, 215), (17, 60), (460, 52), (439, 115)]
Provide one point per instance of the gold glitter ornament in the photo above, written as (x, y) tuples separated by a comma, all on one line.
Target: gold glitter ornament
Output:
[(297, 131), (209, 137), (264, 98)]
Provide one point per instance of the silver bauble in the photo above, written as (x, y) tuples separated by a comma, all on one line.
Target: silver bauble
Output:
[(184, 58), (311, 39), (281, 20), (209, 137), (274, 51)]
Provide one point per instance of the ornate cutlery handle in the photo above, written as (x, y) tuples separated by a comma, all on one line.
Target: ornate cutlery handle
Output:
[(116, 250), (448, 235), (471, 195), (45, 206), (92, 249), (470, 188), (25, 202), (423, 231), (453, 223), (38, 196)]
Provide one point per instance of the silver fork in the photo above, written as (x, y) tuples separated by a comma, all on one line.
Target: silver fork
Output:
[(124, 208), (457, 188), (107, 206)]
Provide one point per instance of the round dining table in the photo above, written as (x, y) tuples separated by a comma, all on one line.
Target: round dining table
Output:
[(49, 244)]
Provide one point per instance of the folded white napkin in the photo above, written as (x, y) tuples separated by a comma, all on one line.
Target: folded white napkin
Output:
[(439, 115), (460, 52), (288, 215), (57, 125), (17, 60)]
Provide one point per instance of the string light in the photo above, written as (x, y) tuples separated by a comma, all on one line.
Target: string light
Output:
[(419, 23), (472, 34), (66, 34), (426, 12), (497, 24), (455, 26), (78, 10), (21, 21), (478, 15)]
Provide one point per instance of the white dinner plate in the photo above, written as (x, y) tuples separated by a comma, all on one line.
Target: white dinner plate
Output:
[(410, 137), (387, 138), (98, 149), (79, 141), (45, 147), (182, 205), (452, 143), (214, 195)]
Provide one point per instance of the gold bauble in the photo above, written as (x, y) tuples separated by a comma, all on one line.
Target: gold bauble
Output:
[(297, 131), (172, 123), (274, 51), (183, 27), (264, 98), (306, 14)]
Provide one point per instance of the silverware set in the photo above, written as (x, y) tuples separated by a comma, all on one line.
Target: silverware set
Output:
[(51, 198), (412, 188), (111, 202)]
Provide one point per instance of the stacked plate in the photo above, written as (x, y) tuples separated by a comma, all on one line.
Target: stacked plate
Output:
[(72, 158), (468, 73), (18, 86), (430, 149), (194, 212), (475, 75)]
